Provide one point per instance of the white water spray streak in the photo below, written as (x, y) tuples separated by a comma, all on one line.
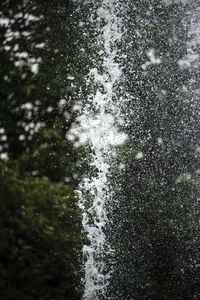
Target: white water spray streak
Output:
[(191, 60), (99, 122)]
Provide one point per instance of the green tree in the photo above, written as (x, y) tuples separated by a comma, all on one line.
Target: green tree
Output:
[(40, 237), (37, 103), (40, 224)]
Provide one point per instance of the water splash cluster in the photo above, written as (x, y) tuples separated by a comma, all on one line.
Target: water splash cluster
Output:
[(99, 122)]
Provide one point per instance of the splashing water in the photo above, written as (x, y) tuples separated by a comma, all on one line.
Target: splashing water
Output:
[(101, 118), (99, 122)]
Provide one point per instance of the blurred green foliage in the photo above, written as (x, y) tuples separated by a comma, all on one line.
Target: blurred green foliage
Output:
[(40, 237), (36, 107), (40, 243)]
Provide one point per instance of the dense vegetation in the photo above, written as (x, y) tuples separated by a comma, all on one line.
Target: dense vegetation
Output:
[(40, 237), (40, 224)]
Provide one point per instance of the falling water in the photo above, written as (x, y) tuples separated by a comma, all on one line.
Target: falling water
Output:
[(99, 121), (160, 75)]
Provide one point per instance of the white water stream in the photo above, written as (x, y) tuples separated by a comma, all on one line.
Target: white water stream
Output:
[(99, 121)]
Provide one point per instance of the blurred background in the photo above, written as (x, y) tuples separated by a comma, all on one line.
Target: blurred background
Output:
[(39, 165)]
